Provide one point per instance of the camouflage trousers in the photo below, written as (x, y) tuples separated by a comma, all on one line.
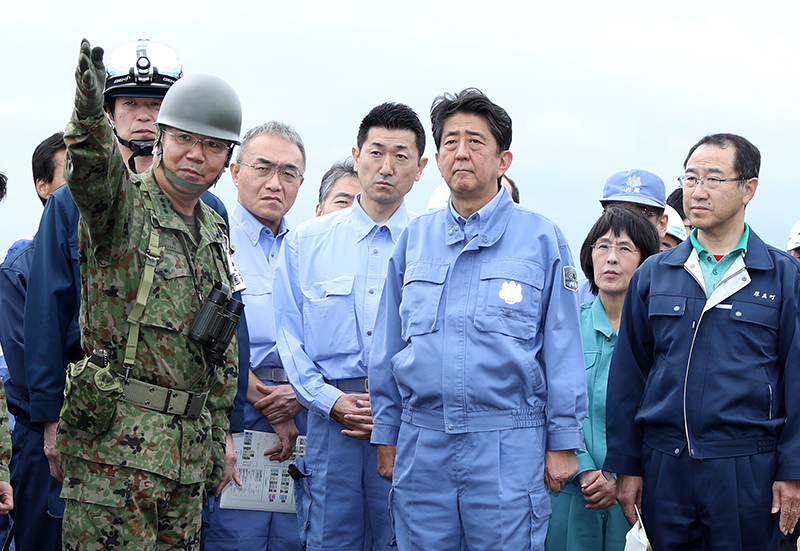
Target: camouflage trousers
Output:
[(117, 508)]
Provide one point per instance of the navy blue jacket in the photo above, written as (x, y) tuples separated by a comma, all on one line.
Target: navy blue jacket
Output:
[(52, 307), (13, 287), (719, 376)]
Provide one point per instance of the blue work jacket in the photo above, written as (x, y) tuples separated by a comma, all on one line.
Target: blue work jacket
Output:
[(14, 273), (717, 376), (326, 291), (480, 333)]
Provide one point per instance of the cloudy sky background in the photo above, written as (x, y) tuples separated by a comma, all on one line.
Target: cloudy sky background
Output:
[(593, 88)]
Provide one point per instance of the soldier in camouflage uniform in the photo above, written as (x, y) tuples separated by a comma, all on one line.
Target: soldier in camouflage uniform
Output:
[(140, 484), (6, 494)]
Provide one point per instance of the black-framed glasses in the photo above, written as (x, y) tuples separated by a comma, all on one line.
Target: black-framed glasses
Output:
[(605, 248), (286, 174), (211, 145), (709, 182)]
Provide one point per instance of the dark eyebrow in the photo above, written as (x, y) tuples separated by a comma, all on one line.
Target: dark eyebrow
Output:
[(469, 132), (343, 194)]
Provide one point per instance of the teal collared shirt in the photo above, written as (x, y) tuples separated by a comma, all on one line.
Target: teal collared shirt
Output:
[(714, 270)]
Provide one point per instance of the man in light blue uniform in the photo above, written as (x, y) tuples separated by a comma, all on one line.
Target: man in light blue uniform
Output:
[(327, 286), (268, 173), (477, 379)]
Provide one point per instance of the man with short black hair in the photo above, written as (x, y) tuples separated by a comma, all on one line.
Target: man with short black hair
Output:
[(48, 166), (704, 426), (327, 285), (477, 388)]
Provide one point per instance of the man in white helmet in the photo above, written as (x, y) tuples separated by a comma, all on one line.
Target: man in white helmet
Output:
[(138, 74)]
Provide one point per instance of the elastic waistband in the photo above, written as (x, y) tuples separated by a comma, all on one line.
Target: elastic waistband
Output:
[(474, 421), (714, 449)]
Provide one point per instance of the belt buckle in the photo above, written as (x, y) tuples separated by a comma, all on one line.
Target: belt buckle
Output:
[(167, 408), (195, 404)]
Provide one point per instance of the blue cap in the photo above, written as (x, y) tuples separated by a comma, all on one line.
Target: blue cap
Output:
[(635, 186)]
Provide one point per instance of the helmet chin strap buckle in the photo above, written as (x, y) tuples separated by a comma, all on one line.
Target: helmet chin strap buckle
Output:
[(139, 148)]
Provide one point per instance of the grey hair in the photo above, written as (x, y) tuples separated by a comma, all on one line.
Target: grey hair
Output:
[(273, 128), (340, 169)]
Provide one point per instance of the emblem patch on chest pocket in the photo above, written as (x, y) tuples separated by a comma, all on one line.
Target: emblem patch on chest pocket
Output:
[(571, 278), (511, 292)]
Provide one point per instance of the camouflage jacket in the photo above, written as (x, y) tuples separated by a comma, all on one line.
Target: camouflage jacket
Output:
[(113, 237)]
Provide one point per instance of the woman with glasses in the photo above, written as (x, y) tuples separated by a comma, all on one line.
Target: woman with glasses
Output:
[(586, 515)]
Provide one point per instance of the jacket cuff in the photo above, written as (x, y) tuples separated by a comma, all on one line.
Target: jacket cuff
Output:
[(384, 435)]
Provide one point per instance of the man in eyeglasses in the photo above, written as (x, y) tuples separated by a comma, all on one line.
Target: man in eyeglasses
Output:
[(142, 432), (704, 422), (327, 287), (138, 76), (267, 173)]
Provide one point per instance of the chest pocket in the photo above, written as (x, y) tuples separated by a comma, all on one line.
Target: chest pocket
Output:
[(591, 359), (666, 306), (765, 316), (422, 293), (509, 297), (257, 298), (172, 302), (329, 318)]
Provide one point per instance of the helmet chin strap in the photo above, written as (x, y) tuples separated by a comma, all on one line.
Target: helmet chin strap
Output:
[(184, 187), (139, 148)]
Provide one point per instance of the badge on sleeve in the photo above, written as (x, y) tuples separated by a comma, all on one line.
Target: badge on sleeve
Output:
[(511, 292), (237, 281), (571, 278)]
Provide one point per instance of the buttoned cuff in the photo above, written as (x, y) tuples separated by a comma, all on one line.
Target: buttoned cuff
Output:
[(565, 440), (323, 403)]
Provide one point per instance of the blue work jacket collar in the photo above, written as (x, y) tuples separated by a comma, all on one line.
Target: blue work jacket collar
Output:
[(363, 224), (497, 212), (253, 228), (757, 256)]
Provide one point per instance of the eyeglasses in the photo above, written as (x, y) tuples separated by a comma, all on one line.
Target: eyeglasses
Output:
[(709, 182), (212, 146), (604, 248), (286, 174)]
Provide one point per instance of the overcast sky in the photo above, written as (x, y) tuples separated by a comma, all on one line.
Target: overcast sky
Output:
[(593, 88)]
